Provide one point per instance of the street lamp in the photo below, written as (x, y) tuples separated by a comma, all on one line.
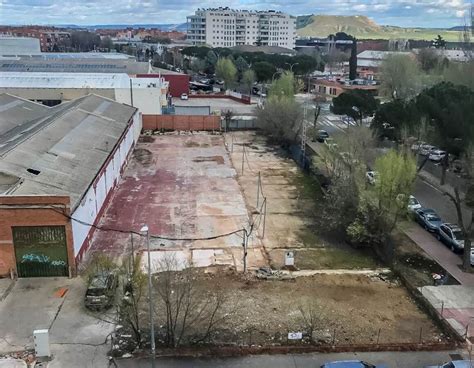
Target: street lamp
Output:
[(144, 230), (273, 76), (291, 66)]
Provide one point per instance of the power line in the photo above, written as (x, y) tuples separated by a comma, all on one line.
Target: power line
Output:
[(162, 237)]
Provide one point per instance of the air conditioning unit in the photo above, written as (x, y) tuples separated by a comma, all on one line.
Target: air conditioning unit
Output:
[(41, 338)]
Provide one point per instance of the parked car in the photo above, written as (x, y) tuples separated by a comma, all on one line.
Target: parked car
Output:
[(413, 204), (322, 135), (350, 364), (371, 177), (436, 155), (452, 236), (184, 96), (425, 149), (455, 364), (101, 291), (472, 256), (428, 218)]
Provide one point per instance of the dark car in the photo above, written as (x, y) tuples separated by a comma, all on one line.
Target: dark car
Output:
[(452, 236), (322, 135), (350, 364), (101, 291), (428, 218)]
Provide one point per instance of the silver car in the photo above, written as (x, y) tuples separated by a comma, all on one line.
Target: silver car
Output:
[(452, 236), (455, 364)]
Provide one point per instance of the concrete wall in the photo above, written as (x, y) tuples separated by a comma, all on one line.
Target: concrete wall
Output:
[(181, 122), (31, 211), (178, 83), (147, 100), (98, 196)]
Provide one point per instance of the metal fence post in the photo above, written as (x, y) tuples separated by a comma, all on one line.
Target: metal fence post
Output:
[(442, 308), (378, 336), (258, 189), (421, 335), (264, 216), (334, 338)]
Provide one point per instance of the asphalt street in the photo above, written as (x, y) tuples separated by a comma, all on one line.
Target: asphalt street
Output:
[(385, 359), (431, 197)]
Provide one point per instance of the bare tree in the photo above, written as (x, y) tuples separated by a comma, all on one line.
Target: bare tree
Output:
[(466, 225), (189, 313), (310, 317), (134, 292)]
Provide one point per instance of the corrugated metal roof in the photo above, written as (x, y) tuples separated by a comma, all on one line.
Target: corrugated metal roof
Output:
[(19, 45), (73, 65), (64, 80), (379, 55), (8, 53), (62, 149)]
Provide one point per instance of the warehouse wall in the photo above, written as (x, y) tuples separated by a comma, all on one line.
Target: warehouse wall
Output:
[(31, 211), (97, 197)]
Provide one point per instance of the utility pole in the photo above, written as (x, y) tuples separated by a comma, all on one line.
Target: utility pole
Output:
[(144, 230), (303, 137)]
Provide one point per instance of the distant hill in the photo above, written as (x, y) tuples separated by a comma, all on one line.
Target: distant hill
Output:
[(362, 27)]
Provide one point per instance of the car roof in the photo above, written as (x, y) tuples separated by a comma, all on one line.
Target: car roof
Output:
[(344, 364), (463, 363), (453, 227), (427, 210)]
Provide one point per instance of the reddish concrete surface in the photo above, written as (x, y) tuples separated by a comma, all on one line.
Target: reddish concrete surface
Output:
[(181, 186), (448, 260)]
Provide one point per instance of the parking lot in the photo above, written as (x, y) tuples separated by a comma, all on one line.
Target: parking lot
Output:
[(217, 104)]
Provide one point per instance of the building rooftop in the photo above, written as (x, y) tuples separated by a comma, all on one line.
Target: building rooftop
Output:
[(10, 54), (58, 150), (64, 80), (74, 65), (19, 45), (264, 49), (379, 55)]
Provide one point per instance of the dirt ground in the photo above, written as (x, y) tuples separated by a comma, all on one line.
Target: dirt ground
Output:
[(349, 310), (292, 202)]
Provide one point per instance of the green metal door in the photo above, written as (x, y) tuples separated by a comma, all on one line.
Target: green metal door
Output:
[(40, 251)]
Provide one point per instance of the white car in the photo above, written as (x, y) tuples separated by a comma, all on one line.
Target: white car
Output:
[(437, 155), (184, 96), (425, 149), (413, 204), (371, 177)]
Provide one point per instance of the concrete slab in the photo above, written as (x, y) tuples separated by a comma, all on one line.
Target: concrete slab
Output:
[(184, 187), (455, 303), (12, 363), (77, 337)]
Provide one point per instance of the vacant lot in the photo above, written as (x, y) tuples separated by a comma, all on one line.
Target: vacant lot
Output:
[(293, 201), (184, 188), (348, 309)]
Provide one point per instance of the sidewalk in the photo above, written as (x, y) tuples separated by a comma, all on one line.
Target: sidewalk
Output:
[(436, 250), (455, 304)]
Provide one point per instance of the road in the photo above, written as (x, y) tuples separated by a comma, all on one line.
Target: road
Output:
[(389, 359), (431, 197)]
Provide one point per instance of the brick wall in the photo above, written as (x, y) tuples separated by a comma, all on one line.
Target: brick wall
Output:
[(181, 122), (31, 211)]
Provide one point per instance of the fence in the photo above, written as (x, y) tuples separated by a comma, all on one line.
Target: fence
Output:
[(181, 122)]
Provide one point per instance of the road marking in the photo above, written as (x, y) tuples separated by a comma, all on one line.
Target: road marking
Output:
[(431, 185)]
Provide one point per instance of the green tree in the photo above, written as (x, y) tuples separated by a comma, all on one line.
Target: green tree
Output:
[(241, 66), (248, 79), (377, 217), (460, 73), (106, 43), (226, 70), (394, 119), (353, 60), (400, 77), (283, 86), (197, 65), (281, 117), (263, 70), (356, 103), (196, 51)]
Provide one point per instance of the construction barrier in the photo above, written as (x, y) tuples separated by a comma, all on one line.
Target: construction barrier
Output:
[(181, 122)]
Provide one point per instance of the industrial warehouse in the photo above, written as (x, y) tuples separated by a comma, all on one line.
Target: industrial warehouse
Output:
[(58, 168)]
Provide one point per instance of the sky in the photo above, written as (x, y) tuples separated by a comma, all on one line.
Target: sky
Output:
[(404, 13)]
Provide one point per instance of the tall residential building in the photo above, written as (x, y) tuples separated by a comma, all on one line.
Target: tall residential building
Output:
[(224, 27)]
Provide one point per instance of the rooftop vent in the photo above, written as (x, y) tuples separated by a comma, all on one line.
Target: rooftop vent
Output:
[(33, 171)]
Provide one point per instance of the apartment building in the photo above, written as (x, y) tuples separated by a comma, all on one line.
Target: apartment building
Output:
[(225, 27)]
